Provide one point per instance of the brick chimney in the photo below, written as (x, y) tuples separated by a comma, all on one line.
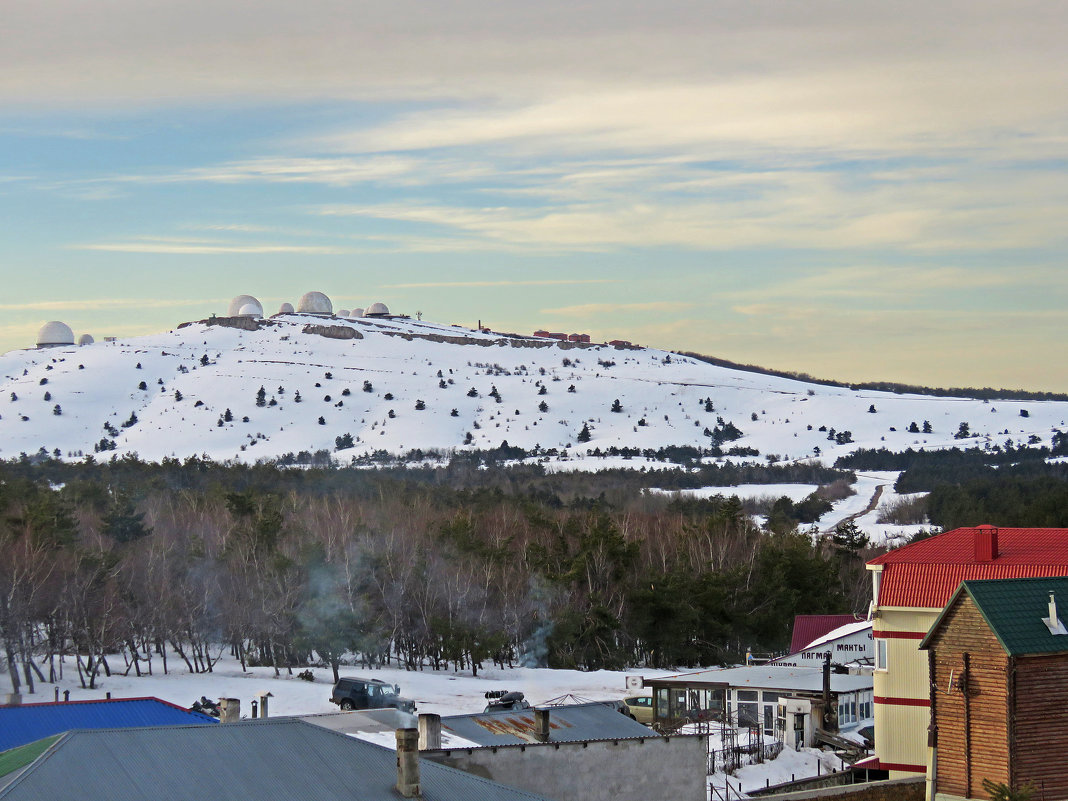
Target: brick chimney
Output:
[(541, 725), (429, 732), (229, 710), (408, 763), (986, 543)]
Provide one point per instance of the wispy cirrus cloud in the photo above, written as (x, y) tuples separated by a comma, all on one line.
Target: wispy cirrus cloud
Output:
[(587, 309), (97, 304), (470, 284)]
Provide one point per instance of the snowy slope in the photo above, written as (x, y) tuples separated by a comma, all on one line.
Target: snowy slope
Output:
[(99, 384)]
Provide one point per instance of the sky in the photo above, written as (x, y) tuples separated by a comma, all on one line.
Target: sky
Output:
[(857, 190)]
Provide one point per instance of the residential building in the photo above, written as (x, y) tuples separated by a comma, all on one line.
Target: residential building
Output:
[(998, 655), (910, 587)]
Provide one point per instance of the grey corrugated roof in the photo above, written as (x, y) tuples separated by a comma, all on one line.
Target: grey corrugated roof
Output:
[(571, 723), (768, 677), (271, 760)]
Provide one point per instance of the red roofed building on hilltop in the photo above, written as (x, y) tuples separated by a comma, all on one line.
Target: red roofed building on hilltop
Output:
[(910, 587)]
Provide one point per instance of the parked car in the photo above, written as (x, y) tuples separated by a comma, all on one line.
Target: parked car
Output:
[(358, 693), (640, 707), (505, 701)]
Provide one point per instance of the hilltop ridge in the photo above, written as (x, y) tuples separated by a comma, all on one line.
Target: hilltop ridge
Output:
[(252, 389)]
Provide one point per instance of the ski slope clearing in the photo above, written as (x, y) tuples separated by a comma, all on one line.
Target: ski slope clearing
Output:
[(396, 385)]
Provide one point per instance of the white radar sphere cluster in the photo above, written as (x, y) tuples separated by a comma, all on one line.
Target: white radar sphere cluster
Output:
[(315, 303), (54, 333), (241, 303)]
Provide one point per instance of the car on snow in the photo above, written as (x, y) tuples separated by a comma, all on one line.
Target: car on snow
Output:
[(358, 693), (640, 707), (505, 701)]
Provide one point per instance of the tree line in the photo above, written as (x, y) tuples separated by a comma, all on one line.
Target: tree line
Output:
[(125, 566)]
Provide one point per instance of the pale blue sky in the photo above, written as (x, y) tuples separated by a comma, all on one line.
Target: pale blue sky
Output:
[(857, 190)]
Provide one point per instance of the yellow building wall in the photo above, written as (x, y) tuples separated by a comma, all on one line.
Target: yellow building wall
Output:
[(901, 729)]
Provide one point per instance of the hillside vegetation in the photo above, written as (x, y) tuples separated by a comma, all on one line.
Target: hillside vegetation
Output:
[(282, 567)]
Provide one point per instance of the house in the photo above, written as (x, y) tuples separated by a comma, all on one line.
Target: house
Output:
[(910, 587), (808, 628), (272, 760), (849, 645), (579, 338), (998, 655), (574, 752), (27, 723), (758, 696)]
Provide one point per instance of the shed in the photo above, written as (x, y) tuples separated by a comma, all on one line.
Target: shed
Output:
[(27, 723), (998, 659), (569, 723)]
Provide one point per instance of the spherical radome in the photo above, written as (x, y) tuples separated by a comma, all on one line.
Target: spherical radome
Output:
[(243, 300), (343, 313), (55, 333), (315, 303), (250, 310), (356, 313), (377, 308), (86, 339), (286, 308)]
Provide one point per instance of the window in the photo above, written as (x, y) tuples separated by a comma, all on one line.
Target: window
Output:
[(747, 695), (880, 654)]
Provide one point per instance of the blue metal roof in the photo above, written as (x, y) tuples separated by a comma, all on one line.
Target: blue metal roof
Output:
[(270, 760), (567, 724), (29, 722)]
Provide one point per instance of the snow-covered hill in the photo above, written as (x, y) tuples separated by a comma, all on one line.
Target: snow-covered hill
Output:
[(401, 384)]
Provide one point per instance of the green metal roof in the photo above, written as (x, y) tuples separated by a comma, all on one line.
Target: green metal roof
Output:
[(1014, 608), (16, 758)]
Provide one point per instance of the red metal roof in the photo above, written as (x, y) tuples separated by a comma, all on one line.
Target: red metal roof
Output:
[(811, 627), (926, 573)]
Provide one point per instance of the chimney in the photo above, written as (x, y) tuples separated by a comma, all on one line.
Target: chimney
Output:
[(229, 710), (541, 725), (1053, 623), (408, 763), (429, 732), (986, 543), (263, 696)]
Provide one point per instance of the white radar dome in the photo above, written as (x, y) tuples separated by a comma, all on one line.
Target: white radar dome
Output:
[(55, 333), (250, 310), (285, 308), (237, 303), (377, 309), (356, 313), (86, 339), (343, 313), (315, 303)]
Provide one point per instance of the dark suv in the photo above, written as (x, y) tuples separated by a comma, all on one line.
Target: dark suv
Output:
[(354, 693)]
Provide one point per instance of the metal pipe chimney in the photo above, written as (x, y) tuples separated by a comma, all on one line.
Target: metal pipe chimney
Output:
[(408, 763), (429, 732), (541, 725)]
